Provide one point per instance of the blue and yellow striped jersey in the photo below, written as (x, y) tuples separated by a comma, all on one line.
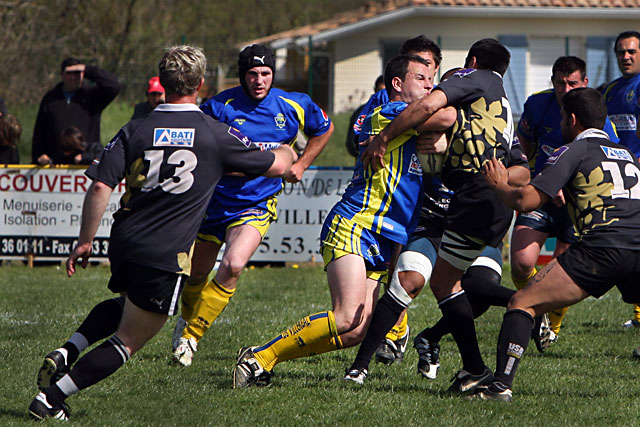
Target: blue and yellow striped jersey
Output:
[(386, 201), (273, 121), (623, 107), (540, 123)]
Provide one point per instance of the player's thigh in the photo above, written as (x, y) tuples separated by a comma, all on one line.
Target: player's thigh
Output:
[(551, 288), (526, 244), (241, 243)]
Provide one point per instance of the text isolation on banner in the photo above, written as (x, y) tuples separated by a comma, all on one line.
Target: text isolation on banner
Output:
[(42, 209)]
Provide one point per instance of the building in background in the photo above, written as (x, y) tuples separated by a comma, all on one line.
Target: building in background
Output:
[(349, 51)]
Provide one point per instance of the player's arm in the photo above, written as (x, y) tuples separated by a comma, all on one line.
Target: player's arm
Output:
[(519, 176), (285, 156), (314, 147), (522, 199), (528, 146), (432, 138), (93, 207), (415, 114)]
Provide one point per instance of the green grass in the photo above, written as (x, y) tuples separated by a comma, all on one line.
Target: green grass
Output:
[(587, 378), (119, 112)]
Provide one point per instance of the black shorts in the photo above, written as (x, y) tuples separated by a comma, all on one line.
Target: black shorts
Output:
[(477, 211), (550, 219), (596, 270), (151, 289)]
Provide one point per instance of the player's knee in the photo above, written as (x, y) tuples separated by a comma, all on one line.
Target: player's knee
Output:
[(521, 267), (232, 266), (412, 282), (349, 320)]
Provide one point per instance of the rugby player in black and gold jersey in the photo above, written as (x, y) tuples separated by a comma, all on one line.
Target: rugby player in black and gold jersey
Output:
[(600, 183)]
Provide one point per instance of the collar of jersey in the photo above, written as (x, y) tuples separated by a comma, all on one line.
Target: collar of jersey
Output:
[(592, 133), (177, 107)]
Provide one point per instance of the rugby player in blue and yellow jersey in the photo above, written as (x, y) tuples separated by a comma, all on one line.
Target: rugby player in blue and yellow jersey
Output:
[(483, 130), (241, 210), (392, 348), (623, 105), (540, 135), (358, 237)]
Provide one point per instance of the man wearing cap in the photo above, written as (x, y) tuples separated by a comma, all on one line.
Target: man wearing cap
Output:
[(71, 103), (155, 97), (242, 209)]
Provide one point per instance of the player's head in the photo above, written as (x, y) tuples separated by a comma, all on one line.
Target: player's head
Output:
[(406, 78), (488, 54), (582, 108), (450, 73), (181, 70), (256, 69), (567, 73), (627, 49), (379, 84), (426, 49)]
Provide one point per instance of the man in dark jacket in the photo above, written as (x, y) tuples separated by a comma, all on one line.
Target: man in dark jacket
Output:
[(72, 104)]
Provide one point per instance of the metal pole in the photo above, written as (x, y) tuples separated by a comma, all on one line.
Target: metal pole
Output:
[(310, 71)]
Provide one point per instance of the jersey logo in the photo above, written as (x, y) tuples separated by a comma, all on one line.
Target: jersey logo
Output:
[(415, 168), (553, 158), (547, 149), (623, 121), (173, 137), (325, 117), (280, 120), (239, 136), (240, 122), (617, 153), (113, 141), (266, 146), (630, 95), (465, 72)]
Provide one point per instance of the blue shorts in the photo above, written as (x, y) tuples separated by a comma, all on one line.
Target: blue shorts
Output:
[(341, 236), (550, 219), (215, 225)]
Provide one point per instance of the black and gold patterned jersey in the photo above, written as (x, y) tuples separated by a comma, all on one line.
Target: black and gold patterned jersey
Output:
[(601, 184), (484, 125), (170, 161)]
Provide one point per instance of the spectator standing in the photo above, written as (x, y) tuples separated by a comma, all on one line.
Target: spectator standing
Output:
[(71, 103), (155, 97)]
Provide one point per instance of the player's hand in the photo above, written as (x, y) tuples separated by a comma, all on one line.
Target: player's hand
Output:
[(431, 143), (75, 68), (495, 173), (373, 155), (81, 252), (295, 173), (558, 199)]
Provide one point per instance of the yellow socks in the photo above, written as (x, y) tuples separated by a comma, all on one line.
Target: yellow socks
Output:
[(520, 283), (399, 330), (190, 295), (315, 334), (213, 300), (636, 312), (555, 318)]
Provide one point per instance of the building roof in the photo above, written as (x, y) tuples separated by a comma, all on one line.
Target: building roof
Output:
[(375, 13)]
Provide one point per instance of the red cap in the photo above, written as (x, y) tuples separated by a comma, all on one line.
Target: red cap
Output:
[(154, 85)]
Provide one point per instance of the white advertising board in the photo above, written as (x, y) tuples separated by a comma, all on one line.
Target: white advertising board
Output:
[(42, 206)]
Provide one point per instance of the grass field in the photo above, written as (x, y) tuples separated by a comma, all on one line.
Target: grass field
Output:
[(587, 378)]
